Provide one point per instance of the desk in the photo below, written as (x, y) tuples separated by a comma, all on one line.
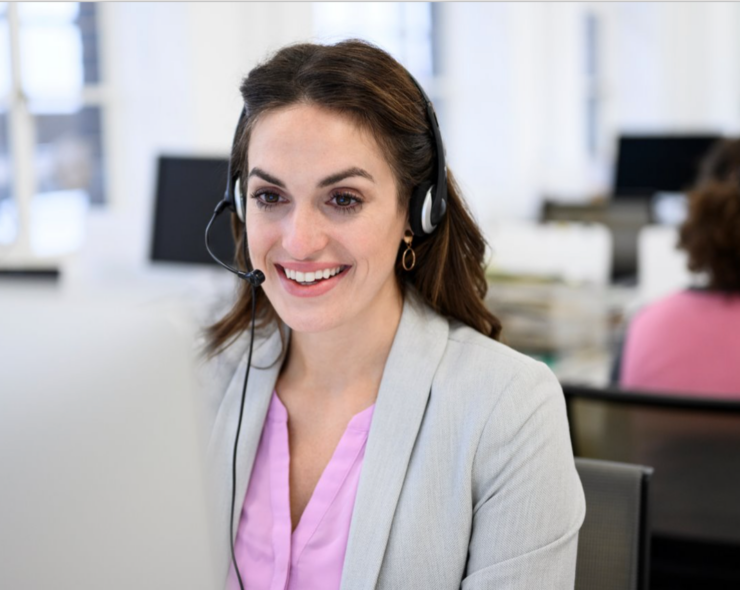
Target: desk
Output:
[(584, 367), (576, 329)]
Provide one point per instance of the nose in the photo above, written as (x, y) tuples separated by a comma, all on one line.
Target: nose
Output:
[(304, 232)]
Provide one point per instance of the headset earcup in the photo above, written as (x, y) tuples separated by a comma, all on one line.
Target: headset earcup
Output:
[(416, 208), (243, 200), (239, 203)]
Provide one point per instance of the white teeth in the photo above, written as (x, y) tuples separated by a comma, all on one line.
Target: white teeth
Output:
[(311, 277)]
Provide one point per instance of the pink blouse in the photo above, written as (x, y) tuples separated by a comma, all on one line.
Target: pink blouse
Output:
[(312, 556)]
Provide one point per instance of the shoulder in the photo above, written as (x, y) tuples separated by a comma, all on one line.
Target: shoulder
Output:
[(465, 348), (473, 370), (464, 340), (666, 318), (508, 412), (484, 395), (668, 307), (483, 372)]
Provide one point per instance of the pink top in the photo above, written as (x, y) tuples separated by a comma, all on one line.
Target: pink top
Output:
[(687, 342), (269, 556)]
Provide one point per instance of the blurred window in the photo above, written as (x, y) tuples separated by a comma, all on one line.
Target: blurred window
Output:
[(409, 31), (403, 29), (8, 222), (594, 82), (51, 124)]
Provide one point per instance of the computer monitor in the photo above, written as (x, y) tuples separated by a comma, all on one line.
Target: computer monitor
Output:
[(647, 164), (103, 431), (188, 189)]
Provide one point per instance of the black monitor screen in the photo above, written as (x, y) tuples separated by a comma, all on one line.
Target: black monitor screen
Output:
[(650, 164), (188, 190)]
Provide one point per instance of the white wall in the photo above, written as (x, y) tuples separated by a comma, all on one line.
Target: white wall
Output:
[(514, 82), (673, 65)]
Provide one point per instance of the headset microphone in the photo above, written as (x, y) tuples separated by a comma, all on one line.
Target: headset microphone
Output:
[(254, 278)]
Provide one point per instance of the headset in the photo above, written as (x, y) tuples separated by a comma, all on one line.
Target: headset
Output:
[(427, 208), (428, 203)]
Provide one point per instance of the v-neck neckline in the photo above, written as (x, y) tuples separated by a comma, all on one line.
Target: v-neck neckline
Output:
[(336, 471)]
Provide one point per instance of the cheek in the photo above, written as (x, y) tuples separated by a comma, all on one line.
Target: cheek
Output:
[(259, 240), (381, 246)]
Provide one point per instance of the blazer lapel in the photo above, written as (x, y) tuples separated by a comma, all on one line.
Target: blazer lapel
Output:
[(263, 375), (404, 391)]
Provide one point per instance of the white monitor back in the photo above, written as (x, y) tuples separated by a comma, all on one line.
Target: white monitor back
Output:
[(661, 267), (100, 451), (572, 252)]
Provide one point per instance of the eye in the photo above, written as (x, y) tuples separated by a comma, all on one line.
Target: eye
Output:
[(346, 202), (266, 198)]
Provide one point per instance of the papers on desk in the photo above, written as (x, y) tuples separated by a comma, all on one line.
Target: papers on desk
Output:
[(548, 317), (577, 329)]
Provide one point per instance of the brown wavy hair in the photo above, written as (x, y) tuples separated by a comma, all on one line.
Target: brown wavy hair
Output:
[(711, 233), (359, 80)]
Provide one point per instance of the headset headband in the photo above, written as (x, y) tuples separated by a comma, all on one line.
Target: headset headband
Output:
[(231, 197), (439, 189), (428, 201)]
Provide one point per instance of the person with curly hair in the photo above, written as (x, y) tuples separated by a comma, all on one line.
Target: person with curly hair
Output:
[(689, 342)]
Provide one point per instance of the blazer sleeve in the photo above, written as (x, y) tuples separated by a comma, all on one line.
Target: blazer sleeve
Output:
[(528, 499)]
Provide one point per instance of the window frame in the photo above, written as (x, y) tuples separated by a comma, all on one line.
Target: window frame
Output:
[(19, 253)]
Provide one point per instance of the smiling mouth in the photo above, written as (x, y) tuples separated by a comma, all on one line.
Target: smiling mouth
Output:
[(307, 279)]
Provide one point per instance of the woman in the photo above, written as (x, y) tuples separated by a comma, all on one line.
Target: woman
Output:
[(688, 342), (388, 440)]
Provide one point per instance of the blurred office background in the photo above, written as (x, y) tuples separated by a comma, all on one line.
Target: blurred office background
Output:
[(532, 97), (574, 129), (534, 100)]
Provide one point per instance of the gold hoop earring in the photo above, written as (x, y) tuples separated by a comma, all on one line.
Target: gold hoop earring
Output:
[(408, 237)]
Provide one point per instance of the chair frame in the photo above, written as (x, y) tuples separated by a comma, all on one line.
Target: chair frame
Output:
[(649, 398), (643, 532)]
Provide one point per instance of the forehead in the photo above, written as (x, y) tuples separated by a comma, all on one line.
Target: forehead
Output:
[(310, 134)]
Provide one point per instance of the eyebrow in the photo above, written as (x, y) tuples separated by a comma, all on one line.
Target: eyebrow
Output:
[(348, 173), (265, 176), (328, 181)]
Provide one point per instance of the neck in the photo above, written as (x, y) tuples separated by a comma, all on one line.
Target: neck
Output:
[(330, 364)]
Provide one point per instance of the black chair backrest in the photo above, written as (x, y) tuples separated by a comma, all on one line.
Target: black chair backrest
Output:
[(692, 443), (614, 541)]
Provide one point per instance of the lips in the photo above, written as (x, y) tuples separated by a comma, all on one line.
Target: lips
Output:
[(310, 279)]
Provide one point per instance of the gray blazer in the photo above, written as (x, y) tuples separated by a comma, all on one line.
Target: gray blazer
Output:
[(468, 478)]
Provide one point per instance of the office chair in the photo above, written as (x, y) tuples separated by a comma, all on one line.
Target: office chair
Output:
[(693, 444), (614, 542)]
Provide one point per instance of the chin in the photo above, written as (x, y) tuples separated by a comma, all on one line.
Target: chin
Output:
[(313, 324)]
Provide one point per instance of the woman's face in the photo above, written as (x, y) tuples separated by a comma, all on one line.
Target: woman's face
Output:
[(322, 218)]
